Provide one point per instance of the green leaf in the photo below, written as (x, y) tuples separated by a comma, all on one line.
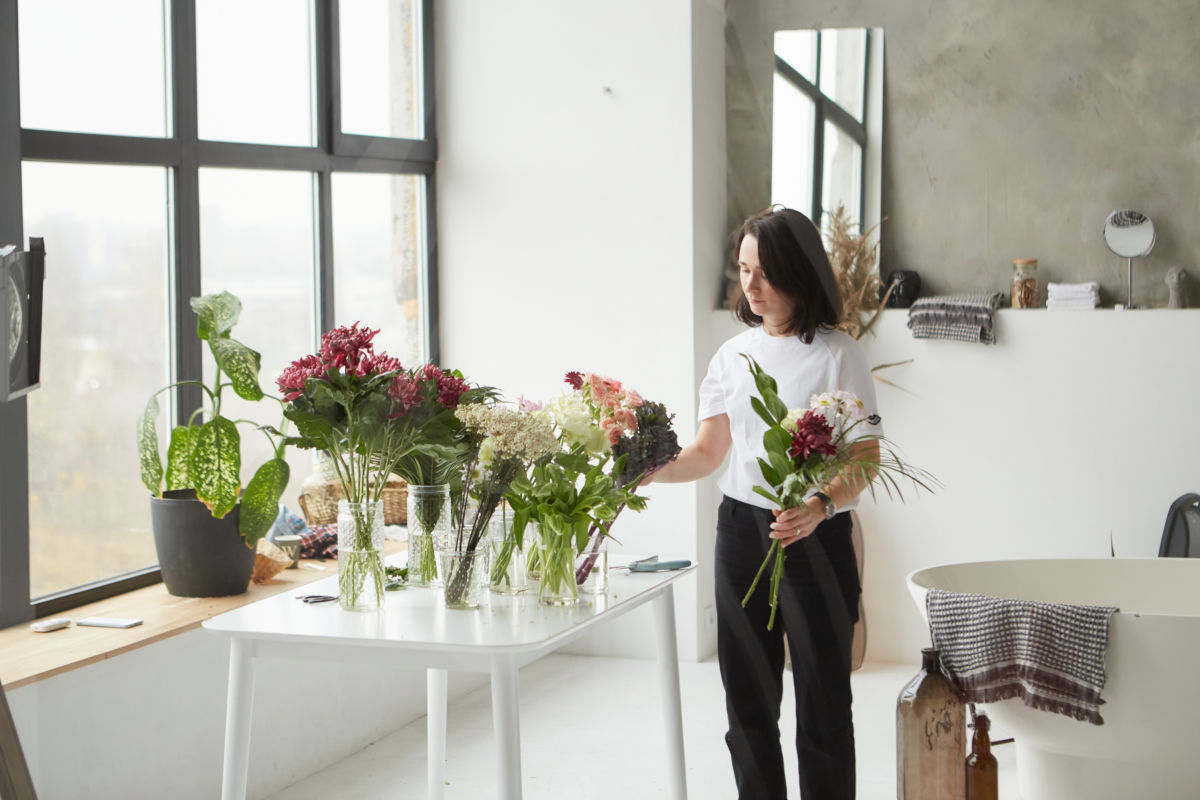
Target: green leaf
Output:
[(776, 406), (760, 490), (765, 383), (215, 465), (762, 411), (241, 364), (260, 501), (769, 474), (216, 314), (776, 440), (781, 463), (179, 451), (147, 440)]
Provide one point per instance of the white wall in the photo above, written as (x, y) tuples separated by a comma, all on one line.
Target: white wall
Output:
[(1074, 427), (575, 203)]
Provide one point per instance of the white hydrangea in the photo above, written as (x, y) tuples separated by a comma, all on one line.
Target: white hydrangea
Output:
[(574, 418)]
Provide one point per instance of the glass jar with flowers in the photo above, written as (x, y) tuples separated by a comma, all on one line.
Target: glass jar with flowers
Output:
[(431, 396), (501, 443), (346, 400), (575, 494)]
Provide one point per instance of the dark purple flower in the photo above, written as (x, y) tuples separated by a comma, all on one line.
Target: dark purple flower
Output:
[(575, 379), (813, 435)]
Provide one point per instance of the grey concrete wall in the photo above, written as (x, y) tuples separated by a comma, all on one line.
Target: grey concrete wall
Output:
[(1012, 129)]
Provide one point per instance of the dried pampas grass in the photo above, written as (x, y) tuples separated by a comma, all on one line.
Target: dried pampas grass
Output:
[(854, 260)]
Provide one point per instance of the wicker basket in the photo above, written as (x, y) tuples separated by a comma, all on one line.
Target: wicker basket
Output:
[(318, 501)]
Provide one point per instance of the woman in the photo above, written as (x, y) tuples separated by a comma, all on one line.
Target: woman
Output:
[(790, 301)]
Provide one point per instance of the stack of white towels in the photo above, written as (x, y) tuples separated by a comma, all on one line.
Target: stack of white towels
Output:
[(1073, 295)]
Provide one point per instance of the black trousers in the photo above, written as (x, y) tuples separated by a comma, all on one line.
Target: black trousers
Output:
[(818, 606)]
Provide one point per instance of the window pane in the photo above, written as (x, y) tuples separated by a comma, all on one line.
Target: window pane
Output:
[(104, 353), (843, 68), (842, 173), (792, 147), (379, 259), (256, 241), (93, 67), (799, 50), (254, 71), (381, 68)]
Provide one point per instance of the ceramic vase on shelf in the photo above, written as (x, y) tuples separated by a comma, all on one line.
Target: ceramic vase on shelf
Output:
[(591, 567), (360, 555), (428, 512), (507, 562), (930, 735)]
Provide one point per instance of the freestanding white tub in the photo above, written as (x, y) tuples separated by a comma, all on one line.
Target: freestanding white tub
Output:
[(1148, 745)]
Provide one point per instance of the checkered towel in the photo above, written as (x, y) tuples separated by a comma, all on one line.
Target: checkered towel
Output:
[(961, 317), (1051, 655), (319, 541)]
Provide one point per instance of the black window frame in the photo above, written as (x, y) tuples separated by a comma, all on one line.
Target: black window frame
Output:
[(185, 154), (825, 109)]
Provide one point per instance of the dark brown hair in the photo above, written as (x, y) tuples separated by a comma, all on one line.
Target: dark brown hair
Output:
[(794, 262)]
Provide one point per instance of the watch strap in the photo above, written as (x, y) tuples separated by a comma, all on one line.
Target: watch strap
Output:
[(830, 507)]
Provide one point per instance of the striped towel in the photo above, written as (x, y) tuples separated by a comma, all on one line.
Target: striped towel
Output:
[(961, 317), (1051, 655)]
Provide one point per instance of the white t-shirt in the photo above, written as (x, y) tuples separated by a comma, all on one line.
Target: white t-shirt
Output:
[(831, 362)]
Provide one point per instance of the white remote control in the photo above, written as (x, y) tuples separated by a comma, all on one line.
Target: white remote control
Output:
[(47, 625)]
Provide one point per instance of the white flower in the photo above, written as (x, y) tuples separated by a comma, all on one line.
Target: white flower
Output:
[(840, 409), (574, 418)]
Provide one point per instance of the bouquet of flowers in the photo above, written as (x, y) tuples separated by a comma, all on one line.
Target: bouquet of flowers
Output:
[(808, 448), (351, 402), (609, 437), (501, 443)]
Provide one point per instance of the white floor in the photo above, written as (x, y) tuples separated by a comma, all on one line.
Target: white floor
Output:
[(592, 727)]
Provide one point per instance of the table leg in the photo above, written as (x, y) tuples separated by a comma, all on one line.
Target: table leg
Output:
[(435, 732), (506, 724), (668, 661), (238, 707)]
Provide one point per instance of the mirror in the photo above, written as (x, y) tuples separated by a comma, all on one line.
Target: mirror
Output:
[(1129, 234)]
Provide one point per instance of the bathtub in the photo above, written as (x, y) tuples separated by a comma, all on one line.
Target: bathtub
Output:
[(1147, 746)]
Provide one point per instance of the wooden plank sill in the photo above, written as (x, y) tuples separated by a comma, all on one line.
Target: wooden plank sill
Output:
[(29, 657)]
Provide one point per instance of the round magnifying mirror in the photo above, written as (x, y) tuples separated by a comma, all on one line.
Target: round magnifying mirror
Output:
[(1129, 233)]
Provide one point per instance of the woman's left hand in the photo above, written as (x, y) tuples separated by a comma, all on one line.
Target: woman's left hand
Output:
[(793, 524)]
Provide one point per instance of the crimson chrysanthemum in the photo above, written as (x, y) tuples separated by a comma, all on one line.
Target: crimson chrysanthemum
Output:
[(347, 348), (813, 435), (574, 379), (291, 381)]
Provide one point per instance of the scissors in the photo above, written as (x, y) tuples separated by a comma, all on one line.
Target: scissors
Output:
[(652, 564), (316, 598)]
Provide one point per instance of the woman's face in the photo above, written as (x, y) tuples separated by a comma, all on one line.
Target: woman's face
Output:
[(774, 307)]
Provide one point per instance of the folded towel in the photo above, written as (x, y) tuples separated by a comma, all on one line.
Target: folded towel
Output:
[(1051, 655), (1073, 295), (961, 317)]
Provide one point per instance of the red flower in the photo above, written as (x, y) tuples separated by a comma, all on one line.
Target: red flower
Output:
[(405, 392), (450, 390), (348, 348), (291, 381), (575, 379), (813, 435)]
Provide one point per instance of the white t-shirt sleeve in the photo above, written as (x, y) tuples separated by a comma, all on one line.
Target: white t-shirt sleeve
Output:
[(854, 375), (712, 394)]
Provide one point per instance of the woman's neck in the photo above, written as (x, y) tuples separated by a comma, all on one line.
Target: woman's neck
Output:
[(777, 328)]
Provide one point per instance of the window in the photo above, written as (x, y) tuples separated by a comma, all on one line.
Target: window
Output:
[(226, 145), (821, 121)]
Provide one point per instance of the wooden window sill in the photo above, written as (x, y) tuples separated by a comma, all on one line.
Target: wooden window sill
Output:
[(30, 657)]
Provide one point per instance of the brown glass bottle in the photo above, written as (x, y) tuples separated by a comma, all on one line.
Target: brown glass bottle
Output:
[(930, 736), (982, 783)]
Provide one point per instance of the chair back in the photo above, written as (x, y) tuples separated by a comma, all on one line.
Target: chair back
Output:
[(1181, 535)]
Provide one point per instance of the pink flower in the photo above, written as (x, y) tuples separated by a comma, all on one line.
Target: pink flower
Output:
[(450, 390), (633, 399), (379, 364), (528, 406), (813, 435), (575, 379), (605, 391), (345, 348), (291, 381)]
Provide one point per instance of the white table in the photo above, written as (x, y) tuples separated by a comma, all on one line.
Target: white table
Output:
[(415, 629)]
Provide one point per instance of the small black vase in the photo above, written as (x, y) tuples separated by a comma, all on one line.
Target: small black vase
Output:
[(199, 556)]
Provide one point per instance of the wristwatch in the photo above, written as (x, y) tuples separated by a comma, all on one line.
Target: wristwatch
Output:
[(830, 508)]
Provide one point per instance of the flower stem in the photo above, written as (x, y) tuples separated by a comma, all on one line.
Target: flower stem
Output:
[(776, 551)]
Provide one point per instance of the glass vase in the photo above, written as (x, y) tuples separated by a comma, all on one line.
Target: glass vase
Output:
[(591, 567), (360, 555), (556, 563), (507, 560), (463, 576), (930, 736), (428, 511)]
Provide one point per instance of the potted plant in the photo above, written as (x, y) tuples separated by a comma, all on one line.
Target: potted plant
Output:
[(206, 527)]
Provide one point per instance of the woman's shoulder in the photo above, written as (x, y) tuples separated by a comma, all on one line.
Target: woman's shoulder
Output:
[(838, 341), (739, 343)]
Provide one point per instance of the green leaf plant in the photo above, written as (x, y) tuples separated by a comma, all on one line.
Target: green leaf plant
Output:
[(205, 454)]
